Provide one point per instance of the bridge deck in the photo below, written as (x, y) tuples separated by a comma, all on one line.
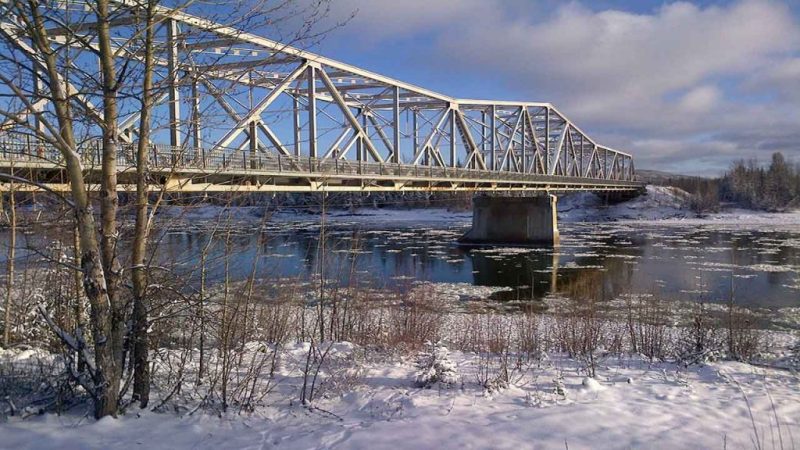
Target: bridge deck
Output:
[(182, 170)]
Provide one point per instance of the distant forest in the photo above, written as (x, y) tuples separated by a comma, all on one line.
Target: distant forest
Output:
[(774, 187)]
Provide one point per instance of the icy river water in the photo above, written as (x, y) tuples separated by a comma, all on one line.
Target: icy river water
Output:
[(759, 265)]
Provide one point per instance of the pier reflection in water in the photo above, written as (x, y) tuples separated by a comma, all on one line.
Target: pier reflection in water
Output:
[(597, 260)]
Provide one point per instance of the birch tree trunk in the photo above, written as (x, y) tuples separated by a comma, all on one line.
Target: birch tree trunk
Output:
[(12, 243), (141, 369), (95, 285), (111, 352)]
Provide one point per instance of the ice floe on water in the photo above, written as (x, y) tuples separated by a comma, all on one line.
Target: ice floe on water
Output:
[(653, 237), (574, 265), (459, 292), (503, 251), (772, 268)]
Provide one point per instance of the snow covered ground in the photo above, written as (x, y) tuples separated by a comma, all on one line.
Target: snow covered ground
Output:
[(657, 203), (383, 216), (632, 404), (664, 205), (740, 218)]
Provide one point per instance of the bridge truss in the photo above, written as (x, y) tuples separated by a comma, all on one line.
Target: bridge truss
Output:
[(237, 111)]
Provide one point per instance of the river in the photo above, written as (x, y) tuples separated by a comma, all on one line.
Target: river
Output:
[(756, 265)]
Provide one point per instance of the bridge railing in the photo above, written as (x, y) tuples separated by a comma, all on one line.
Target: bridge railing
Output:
[(165, 157)]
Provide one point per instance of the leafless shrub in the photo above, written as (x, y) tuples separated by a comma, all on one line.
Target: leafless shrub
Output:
[(415, 319), (358, 316), (500, 359), (647, 322), (699, 340), (529, 334), (744, 338), (341, 372), (468, 335), (35, 385), (254, 376), (315, 358), (42, 279), (275, 320), (580, 332)]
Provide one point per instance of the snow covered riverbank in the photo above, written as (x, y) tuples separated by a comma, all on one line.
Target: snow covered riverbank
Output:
[(659, 204), (632, 404), (508, 386), (368, 395)]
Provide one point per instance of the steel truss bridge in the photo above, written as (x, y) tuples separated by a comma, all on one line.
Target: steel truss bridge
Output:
[(239, 112)]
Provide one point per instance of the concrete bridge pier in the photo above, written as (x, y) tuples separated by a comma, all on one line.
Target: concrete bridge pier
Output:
[(513, 220)]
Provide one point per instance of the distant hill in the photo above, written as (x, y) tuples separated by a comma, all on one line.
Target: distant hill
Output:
[(660, 178)]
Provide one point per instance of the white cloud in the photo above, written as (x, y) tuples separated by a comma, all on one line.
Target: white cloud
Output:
[(701, 99), (680, 74), (382, 19), (620, 58)]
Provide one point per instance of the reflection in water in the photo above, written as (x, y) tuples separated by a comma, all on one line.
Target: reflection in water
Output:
[(597, 261)]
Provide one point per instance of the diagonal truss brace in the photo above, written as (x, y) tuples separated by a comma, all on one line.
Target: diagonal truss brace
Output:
[(254, 113)]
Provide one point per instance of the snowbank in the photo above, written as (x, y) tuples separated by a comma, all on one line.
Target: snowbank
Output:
[(631, 404), (665, 205), (657, 203), (740, 218)]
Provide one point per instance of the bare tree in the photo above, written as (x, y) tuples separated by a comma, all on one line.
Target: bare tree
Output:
[(95, 262), (141, 382), (50, 90), (12, 244)]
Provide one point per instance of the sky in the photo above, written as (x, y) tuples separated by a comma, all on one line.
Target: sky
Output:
[(687, 87)]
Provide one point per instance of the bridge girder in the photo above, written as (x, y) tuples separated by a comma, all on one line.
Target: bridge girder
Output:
[(227, 93)]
